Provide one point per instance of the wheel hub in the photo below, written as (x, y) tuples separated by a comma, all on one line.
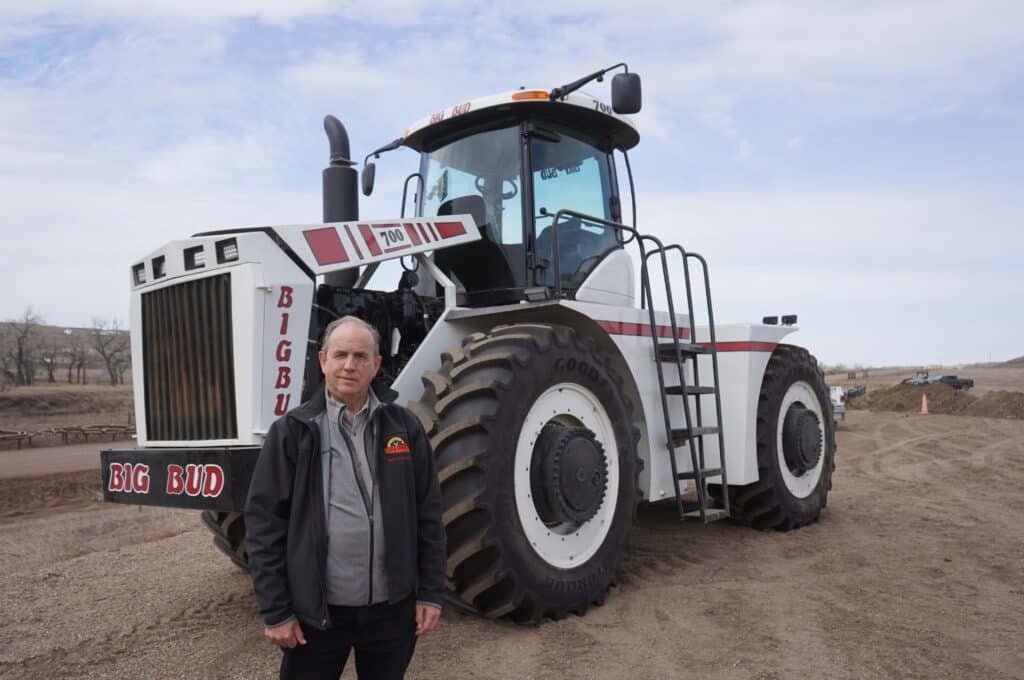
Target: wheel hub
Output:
[(568, 474), (801, 439)]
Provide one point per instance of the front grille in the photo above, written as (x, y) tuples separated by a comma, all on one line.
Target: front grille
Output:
[(188, 361)]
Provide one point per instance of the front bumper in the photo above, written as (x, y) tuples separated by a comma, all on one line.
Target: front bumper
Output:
[(202, 479)]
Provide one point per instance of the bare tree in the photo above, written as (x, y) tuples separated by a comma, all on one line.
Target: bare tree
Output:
[(26, 339), (111, 343), (50, 353), (7, 376), (76, 353)]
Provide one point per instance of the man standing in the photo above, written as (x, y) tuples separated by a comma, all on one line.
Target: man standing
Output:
[(343, 522)]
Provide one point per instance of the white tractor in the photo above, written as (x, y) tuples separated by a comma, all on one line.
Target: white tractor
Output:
[(556, 397)]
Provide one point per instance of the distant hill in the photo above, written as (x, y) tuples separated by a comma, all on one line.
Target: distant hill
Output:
[(1018, 360)]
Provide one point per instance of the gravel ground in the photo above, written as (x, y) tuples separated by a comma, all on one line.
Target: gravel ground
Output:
[(915, 571)]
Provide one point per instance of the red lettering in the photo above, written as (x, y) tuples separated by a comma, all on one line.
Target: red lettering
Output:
[(284, 378), (286, 297), (140, 478), (282, 404), (128, 478), (175, 480), (284, 350), (213, 481), (193, 479), (284, 323), (116, 477)]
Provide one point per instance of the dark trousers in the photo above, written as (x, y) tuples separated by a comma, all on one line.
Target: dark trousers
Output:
[(383, 636)]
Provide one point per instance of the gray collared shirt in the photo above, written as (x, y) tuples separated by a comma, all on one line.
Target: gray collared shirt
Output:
[(356, 567)]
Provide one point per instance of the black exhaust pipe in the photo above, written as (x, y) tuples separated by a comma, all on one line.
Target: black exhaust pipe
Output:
[(341, 192)]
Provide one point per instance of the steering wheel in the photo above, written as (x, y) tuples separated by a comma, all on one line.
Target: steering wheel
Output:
[(480, 183)]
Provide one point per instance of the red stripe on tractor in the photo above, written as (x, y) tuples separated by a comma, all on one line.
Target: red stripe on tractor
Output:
[(640, 329), (401, 247), (370, 239), (742, 346), (450, 229), (423, 232), (411, 231), (326, 246), (433, 232), (355, 245)]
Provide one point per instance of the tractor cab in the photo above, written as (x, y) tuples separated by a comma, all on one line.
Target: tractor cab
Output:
[(512, 161)]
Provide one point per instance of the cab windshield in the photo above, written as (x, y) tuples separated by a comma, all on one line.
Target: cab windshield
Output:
[(479, 175)]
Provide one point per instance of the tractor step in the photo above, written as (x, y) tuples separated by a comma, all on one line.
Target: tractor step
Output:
[(690, 389), (710, 472), (667, 351), (682, 435), (710, 514)]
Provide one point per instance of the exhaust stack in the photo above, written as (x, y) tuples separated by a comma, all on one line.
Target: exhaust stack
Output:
[(341, 192)]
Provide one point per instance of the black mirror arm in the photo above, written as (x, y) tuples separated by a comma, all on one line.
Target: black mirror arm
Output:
[(390, 146), (561, 92)]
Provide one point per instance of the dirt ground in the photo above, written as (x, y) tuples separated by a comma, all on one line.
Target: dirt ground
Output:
[(915, 571)]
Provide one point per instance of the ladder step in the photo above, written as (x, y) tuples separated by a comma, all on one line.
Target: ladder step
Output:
[(710, 472), (690, 389), (682, 435), (667, 351), (710, 514)]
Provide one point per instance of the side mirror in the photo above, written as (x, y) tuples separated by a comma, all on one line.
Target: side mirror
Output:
[(369, 170), (626, 93)]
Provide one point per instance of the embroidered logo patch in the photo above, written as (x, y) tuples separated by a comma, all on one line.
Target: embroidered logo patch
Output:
[(396, 445)]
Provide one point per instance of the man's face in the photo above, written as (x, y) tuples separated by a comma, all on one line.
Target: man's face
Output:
[(349, 362)]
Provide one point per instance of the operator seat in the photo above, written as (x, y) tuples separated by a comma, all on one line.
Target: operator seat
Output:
[(480, 265)]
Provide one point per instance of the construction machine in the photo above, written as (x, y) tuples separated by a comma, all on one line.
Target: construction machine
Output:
[(524, 332)]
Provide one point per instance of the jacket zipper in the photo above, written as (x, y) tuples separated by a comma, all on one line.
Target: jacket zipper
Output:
[(318, 493), (369, 444)]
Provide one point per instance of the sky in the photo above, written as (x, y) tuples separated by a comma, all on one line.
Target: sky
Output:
[(856, 163)]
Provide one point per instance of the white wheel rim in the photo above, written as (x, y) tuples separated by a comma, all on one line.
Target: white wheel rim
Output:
[(567, 545), (803, 485)]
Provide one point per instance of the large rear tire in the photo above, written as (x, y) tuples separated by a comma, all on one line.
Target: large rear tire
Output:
[(795, 446), (538, 468), (228, 535)]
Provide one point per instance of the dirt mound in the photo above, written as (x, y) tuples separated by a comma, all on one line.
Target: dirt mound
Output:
[(64, 401), (24, 495), (942, 399), (999, 404)]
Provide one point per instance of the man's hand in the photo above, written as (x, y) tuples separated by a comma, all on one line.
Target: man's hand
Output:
[(426, 618), (288, 634)]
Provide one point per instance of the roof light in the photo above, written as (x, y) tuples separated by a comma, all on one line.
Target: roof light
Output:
[(139, 274), (194, 258), (158, 267), (227, 250), (529, 94)]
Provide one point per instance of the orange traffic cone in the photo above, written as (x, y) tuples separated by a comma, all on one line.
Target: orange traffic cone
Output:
[(924, 404)]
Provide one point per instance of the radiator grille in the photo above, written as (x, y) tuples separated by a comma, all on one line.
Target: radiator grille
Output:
[(189, 361)]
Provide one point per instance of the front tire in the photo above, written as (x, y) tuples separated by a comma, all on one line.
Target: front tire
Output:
[(795, 446), (538, 468), (228, 535)]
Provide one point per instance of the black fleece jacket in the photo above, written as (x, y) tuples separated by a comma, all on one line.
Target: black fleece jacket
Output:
[(286, 533)]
